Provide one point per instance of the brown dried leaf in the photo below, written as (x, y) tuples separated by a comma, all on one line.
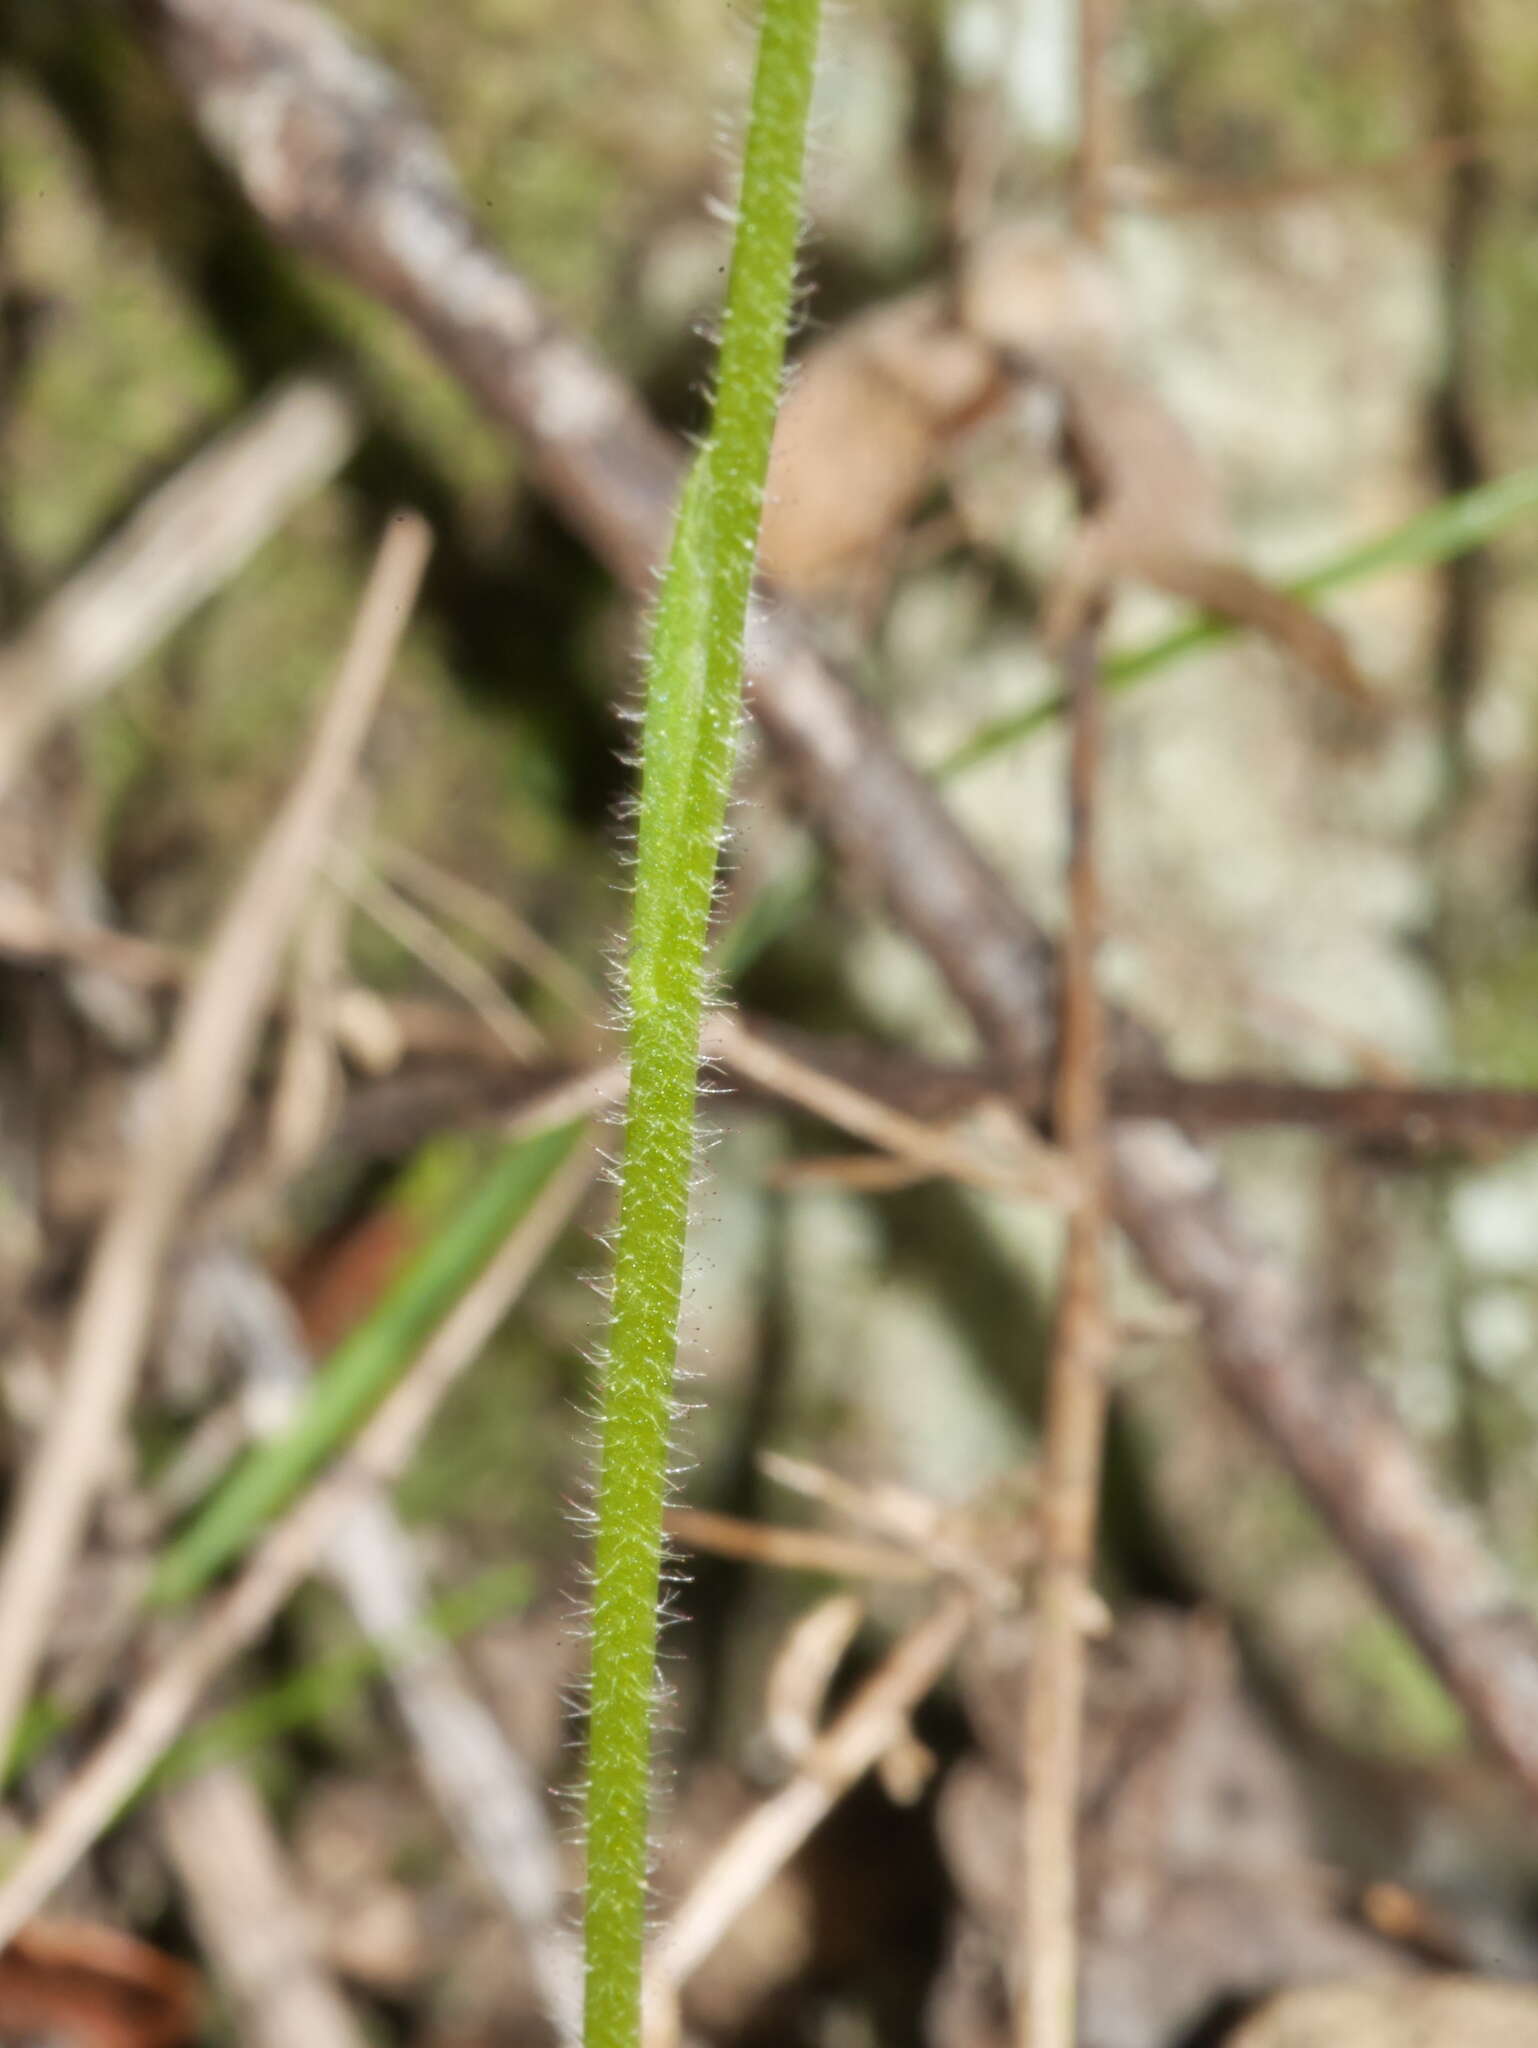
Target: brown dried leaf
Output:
[(860, 440), (72, 1984), (879, 407), (1199, 1876)]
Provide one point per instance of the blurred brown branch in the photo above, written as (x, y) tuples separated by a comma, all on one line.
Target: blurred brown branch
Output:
[(1149, 188), (159, 1709), (247, 1908), (1073, 1425), (185, 541), (194, 1102), (462, 1070), (483, 1786)]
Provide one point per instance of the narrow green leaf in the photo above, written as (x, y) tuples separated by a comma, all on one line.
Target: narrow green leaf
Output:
[(363, 1368), (1453, 527), (306, 1696), (297, 1701)]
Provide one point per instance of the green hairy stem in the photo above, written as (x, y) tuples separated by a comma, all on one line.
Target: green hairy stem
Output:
[(693, 700)]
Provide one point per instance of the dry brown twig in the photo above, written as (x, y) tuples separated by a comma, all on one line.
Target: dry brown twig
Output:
[(489, 1796), (309, 1079), (792, 1550), (859, 1173), (159, 1710), (1452, 37), (1397, 1118), (1034, 1173), (31, 931), (1096, 152), (184, 542), (1154, 189), (376, 1032), (192, 1102), (803, 1667), (1074, 1427), (250, 1917), (1389, 1109), (903, 1517), (1398, 1115), (334, 156), (441, 954), (496, 922)]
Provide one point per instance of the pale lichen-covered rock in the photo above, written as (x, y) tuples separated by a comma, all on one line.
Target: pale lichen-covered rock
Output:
[(1449, 2012)]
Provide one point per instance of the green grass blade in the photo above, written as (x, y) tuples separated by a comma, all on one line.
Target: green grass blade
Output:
[(306, 1696), (297, 1701), (363, 1368), (692, 713), (1453, 527), (42, 1722)]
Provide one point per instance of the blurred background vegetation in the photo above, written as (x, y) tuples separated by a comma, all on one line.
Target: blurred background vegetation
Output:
[(1348, 324)]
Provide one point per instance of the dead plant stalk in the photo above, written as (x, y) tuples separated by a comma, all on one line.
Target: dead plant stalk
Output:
[(88, 1803), (1075, 1427), (194, 1098), (1097, 118), (181, 544)]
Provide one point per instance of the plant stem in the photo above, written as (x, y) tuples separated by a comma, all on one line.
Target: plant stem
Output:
[(1074, 1424), (692, 712)]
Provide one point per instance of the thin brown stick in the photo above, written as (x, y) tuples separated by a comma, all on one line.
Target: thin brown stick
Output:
[(308, 1086), (1451, 35), (1396, 1115), (488, 1794), (183, 543), (286, 1555), (983, 130), (442, 955), (859, 1173), (1034, 1173), (1074, 1428), (250, 1917), (1148, 188), (195, 1099), (497, 922), (791, 1550), (900, 1515), (1097, 119), (333, 155), (31, 931), (1400, 1114), (802, 1669)]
